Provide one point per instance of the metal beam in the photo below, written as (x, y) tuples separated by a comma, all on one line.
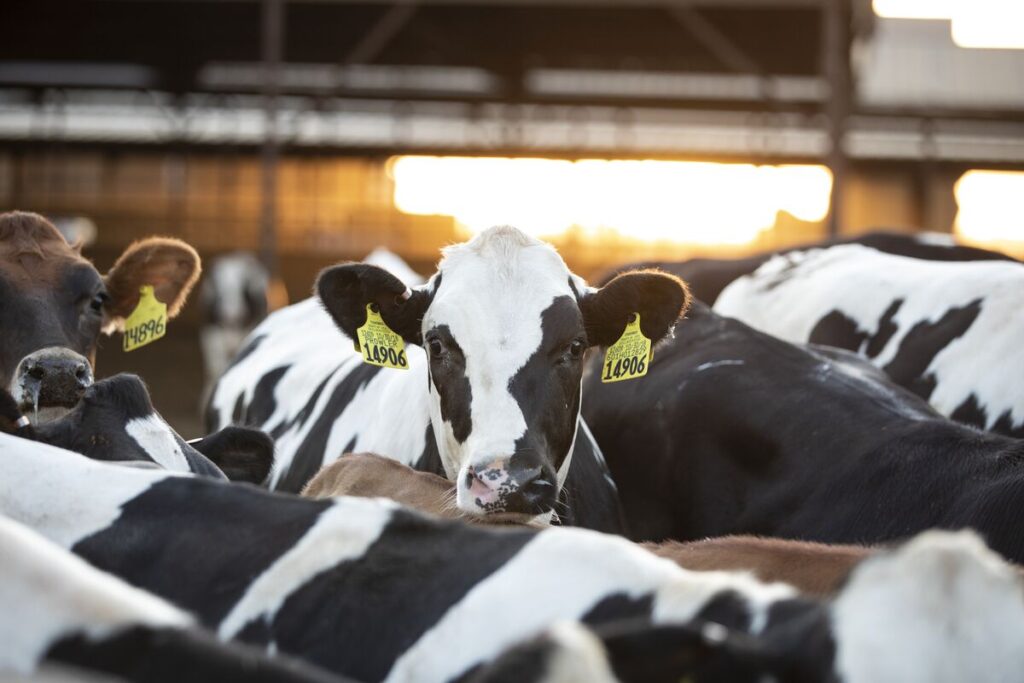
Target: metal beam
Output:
[(836, 71), (382, 32), (713, 40), (272, 49)]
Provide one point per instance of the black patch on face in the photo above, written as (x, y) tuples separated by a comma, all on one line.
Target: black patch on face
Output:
[(182, 536), (309, 456), (359, 616), (923, 342), (165, 655), (547, 390), (448, 373)]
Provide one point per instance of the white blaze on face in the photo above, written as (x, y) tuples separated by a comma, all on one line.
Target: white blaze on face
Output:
[(492, 294)]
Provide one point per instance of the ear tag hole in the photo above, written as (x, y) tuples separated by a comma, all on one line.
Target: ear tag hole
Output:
[(147, 323), (630, 356), (378, 343)]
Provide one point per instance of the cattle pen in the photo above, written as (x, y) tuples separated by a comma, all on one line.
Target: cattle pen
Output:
[(493, 341)]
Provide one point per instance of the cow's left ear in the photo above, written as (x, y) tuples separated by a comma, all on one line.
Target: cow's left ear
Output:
[(660, 299), (169, 265), (345, 291)]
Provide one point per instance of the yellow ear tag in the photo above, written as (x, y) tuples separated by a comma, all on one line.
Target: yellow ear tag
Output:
[(629, 357), (147, 323), (379, 344)]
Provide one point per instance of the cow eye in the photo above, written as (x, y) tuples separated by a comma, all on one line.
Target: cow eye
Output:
[(98, 301), (576, 348), (434, 348)]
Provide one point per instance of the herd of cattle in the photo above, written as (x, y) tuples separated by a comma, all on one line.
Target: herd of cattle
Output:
[(818, 479)]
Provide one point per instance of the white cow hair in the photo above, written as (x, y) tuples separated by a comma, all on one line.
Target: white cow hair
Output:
[(862, 283), (157, 439), (65, 495), (48, 594), (943, 607)]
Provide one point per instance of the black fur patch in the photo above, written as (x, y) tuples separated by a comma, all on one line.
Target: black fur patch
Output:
[(449, 376), (310, 456), (243, 454)]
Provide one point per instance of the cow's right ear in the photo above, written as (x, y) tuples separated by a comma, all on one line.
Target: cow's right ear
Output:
[(345, 291)]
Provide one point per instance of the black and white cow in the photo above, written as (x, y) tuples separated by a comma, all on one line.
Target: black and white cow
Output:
[(707, 277), (54, 304), (233, 297), (62, 616), (734, 431), (367, 589), (493, 403), (116, 421), (953, 333)]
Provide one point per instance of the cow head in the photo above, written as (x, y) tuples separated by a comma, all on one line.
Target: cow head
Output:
[(54, 304), (505, 325)]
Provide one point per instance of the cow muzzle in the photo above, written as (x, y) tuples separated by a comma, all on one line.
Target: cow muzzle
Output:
[(49, 382), (500, 487)]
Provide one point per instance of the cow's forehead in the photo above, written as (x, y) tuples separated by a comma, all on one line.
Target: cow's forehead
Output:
[(496, 287)]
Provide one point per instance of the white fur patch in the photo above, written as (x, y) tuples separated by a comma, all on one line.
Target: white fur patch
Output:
[(342, 532), (63, 495), (155, 437), (862, 283), (562, 574), (48, 593), (941, 608)]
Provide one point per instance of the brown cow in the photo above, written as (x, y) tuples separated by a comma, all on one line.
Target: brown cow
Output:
[(54, 304), (813, 568)]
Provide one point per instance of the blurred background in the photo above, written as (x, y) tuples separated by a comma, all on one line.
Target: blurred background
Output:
[(308, 132)]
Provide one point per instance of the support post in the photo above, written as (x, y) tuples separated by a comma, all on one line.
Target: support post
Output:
[(272, 48), (836, 70)]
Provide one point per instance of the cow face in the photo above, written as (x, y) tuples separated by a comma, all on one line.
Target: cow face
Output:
[(505, 326), (54, 304)]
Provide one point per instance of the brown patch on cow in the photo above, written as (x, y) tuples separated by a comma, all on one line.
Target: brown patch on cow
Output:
[(812, 568)]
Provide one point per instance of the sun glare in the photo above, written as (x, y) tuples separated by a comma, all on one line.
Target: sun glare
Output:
[(989, 209), (682, 202), (997, 24)]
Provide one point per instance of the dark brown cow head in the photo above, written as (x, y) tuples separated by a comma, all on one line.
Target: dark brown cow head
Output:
[(54, 304)]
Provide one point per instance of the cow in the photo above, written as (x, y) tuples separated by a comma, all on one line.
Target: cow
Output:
[(949, 332), (115, 419), (491, 398), (707, 277), (367, 589), (734, 431), (63, 616), (55, 305), (233, 299), (812, 568)]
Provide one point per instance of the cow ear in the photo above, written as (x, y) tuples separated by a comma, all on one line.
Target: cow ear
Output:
[(345, 291), (241, 453), (169, 265), (660, 299)]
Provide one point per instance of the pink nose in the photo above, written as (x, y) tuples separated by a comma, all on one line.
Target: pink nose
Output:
[(495, 489)]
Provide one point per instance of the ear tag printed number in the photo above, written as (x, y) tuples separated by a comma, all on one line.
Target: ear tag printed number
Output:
[(147, 323), (629, 357), (379, 344)]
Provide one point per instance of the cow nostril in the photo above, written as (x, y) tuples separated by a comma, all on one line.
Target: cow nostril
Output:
[(36, 372), (82, 372)]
